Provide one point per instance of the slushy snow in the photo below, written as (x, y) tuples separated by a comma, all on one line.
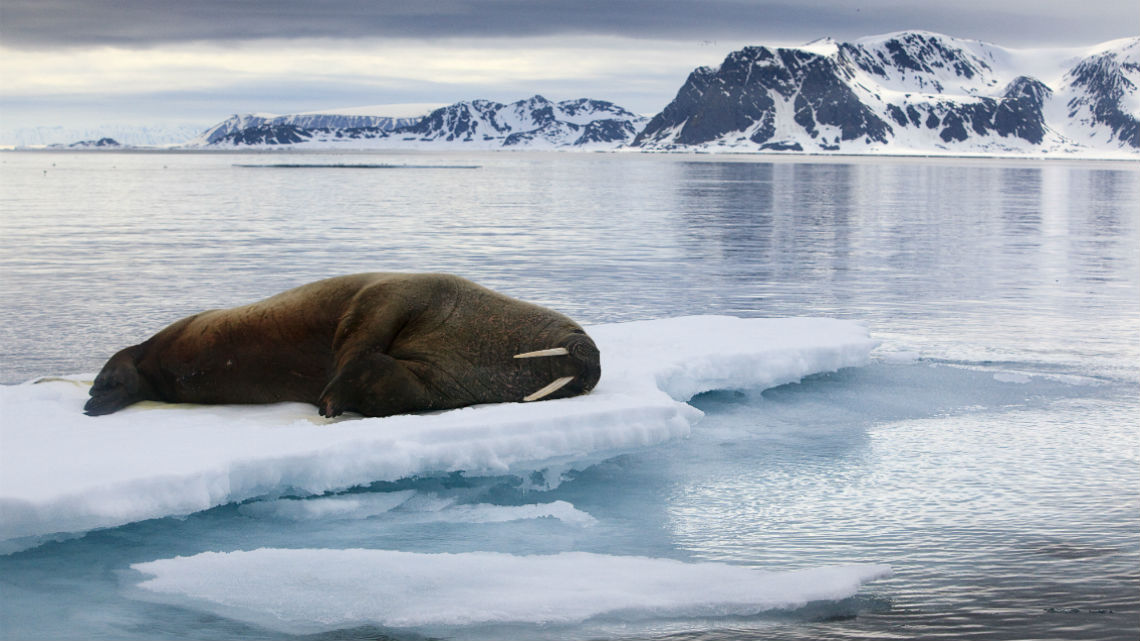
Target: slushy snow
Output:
[(63, 472), (310, 590)]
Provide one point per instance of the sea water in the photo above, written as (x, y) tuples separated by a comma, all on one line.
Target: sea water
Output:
[(989, 454)]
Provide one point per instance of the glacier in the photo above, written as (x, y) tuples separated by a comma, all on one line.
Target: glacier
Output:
[(63, 473), (313, 590)]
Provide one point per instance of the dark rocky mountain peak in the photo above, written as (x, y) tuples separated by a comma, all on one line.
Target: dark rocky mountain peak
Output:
[(913, 92), (1101, 85)]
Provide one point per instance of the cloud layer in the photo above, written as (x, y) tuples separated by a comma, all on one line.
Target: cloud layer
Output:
[(144, 23), (86, 62)]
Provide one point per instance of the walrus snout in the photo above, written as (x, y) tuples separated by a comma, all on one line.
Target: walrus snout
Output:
[(585, 366), (589, 360)]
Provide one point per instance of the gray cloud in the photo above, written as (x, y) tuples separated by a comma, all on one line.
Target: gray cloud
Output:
[(37, 24), (61, 32)]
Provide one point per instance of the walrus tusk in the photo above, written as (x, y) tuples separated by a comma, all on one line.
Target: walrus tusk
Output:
[(549, 389), (554, 351)]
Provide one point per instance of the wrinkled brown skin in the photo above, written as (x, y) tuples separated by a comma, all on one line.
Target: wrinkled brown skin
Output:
[(377, 344)]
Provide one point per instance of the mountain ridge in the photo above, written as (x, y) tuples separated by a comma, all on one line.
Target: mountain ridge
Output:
[(903, 93), (533, 122), (907, 92)]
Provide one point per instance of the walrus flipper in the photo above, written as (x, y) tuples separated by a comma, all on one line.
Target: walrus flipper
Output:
[(374, 384), (117, 385)]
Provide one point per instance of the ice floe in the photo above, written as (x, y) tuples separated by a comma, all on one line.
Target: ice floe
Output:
[(309, 590), (64, 472)]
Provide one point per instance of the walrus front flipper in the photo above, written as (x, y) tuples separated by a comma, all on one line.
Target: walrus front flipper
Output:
[(117, 385), (109, 401), (374, 384)]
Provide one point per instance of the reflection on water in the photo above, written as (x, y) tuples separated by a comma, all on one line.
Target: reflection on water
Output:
[(101, 250), (968, 253), (1021, 210)]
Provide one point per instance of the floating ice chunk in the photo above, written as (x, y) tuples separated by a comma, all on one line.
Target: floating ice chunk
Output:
[(61, 471), (354, 506), (424, 509), (1075, 380), (487, 513), (1012, 377), (311, 590)]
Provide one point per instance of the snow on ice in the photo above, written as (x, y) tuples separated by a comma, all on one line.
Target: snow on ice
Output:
[(64, 472), (310, 590)]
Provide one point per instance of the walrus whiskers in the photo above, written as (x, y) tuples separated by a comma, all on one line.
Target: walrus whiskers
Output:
[(554, 351), (549, 389)]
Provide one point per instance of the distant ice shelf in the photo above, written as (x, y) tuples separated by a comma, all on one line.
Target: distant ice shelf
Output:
[(62, 472)]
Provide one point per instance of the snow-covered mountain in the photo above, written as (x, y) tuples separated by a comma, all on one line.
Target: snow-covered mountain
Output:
[(532, 123), (908, 92), (102, 143), (1101, 93), (911, 92), (271, 129)]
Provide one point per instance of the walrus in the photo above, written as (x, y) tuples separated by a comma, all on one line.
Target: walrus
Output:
[(376, 344)]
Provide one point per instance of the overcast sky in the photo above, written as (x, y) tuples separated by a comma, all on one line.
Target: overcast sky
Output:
[(92, 62)]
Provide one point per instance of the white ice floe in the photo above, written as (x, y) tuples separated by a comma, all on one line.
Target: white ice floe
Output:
[(311, 590), (64, 472)]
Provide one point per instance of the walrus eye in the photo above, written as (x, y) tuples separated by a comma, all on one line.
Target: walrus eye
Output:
[(549, 389), (554, 351)]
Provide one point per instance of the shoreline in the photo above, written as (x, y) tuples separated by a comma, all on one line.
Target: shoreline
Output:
[(1123, 156)]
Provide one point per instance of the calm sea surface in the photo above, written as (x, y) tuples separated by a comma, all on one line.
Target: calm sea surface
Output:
[(990, 454)]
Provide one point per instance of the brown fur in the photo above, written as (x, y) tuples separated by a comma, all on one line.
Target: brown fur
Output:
[(377, 344)]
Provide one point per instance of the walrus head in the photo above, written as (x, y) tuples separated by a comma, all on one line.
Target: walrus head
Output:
[(580, 373), (117, 385)]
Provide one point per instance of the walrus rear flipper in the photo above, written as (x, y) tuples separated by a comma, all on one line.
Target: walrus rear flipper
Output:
[(116, 386)]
